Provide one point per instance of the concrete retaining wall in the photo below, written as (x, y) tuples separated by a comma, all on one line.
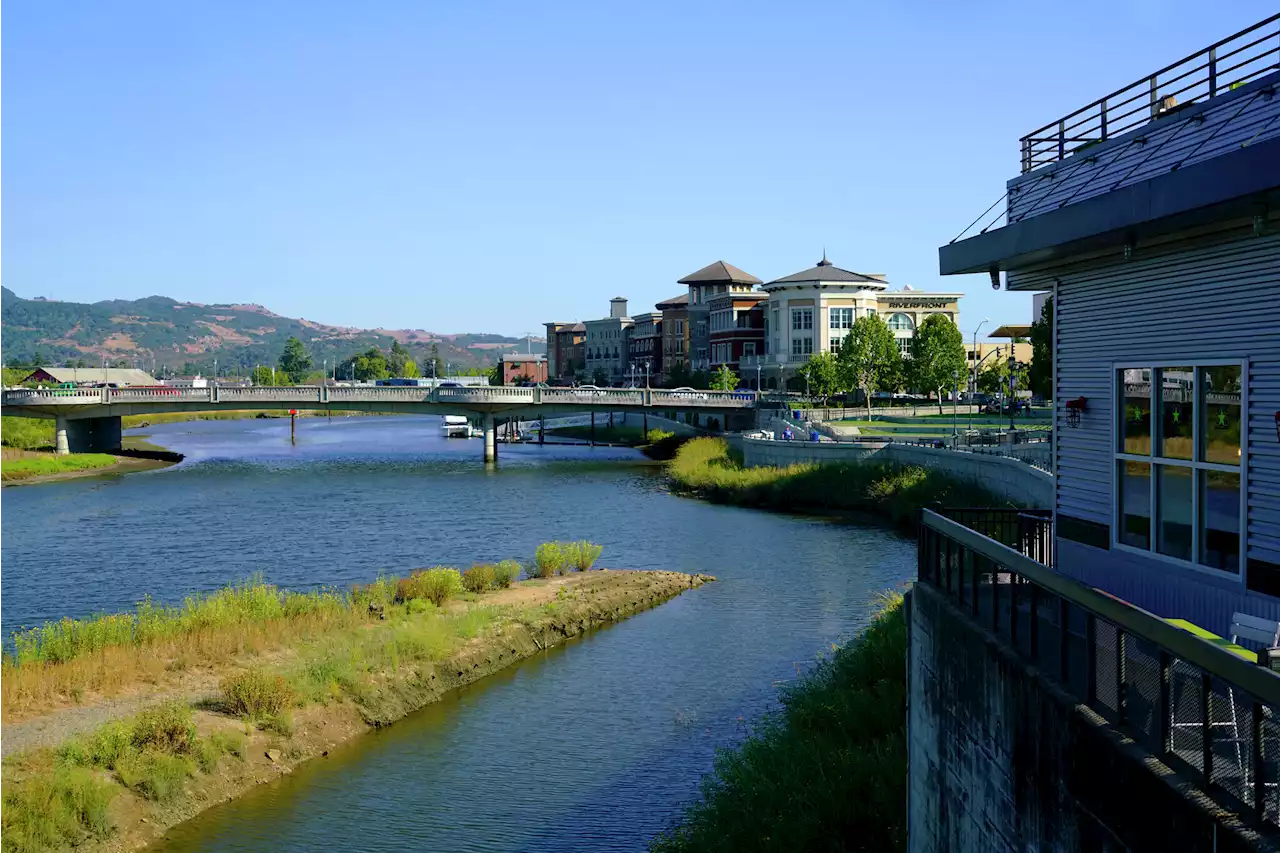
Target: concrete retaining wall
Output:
[(1000, 760), (1008, 479)]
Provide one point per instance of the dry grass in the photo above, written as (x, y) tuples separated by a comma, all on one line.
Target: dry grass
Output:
[(32, 688)]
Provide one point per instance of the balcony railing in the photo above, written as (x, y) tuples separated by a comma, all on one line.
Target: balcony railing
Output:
[(1199, 709), (1214, 71)]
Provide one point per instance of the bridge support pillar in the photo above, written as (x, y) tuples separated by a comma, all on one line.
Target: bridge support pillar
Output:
[(490, 438), (91, 435), (60, 444)]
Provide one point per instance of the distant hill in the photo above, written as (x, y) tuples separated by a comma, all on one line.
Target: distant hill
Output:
[(182, 336)]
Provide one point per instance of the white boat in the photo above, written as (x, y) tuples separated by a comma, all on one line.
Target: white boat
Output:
[(457, 426)]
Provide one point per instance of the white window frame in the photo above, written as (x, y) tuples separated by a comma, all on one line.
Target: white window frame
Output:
[(801, 319), (1118, 455), (837, 315)]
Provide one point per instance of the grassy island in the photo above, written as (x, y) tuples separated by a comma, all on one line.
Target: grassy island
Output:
[(227, 690), (707, 468)]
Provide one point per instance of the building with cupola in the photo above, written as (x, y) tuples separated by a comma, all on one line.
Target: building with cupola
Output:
[(812, 311)]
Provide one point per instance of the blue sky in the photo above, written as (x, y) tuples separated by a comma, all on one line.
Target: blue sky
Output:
[(489, 166)]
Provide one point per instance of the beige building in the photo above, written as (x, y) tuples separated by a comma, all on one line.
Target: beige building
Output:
[(605, 346), (811, 311)]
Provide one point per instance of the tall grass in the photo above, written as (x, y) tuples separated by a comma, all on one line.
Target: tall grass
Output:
[(704, 467), (827, 771), (582, 554), (249, 602)]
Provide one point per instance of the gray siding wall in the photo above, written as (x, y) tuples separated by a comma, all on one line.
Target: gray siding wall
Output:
[(1247, 115), (1216, 298)]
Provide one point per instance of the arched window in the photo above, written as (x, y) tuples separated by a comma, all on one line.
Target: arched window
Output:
[(941, 314), (901, 323)]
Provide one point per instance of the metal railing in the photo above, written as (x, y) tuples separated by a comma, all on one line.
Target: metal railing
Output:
[(1199, 709), (1214, 71)]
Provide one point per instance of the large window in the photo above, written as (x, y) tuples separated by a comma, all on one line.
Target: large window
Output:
[(840, 318), (801, 346), (904, 347), (901, 323), (749, 348), (801, 319), (1178, 462), (834, 343)]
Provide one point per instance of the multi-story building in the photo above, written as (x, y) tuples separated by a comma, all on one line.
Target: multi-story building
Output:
[(675, 332), (522, 368), (605, 346), (813, 310), (564, 349), (704, 285), (737, 329), (644, 354)]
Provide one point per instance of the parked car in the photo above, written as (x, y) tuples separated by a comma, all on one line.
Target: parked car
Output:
[(449, 385), (688, 393)]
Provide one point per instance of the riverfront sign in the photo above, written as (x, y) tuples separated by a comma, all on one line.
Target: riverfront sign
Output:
[(916, 302)]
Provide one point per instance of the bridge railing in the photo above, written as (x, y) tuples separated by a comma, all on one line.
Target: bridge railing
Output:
[(47, 396), (491, 394), (611, 396), (406, 394), (264, 394), (115, 395), (718, 399)]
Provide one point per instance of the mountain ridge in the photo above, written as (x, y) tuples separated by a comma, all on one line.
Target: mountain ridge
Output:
[(159, 332)]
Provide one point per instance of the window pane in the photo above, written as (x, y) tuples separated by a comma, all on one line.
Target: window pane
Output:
[(1177, 411), (1136, 424), (1220, 520), (1135, 504), (1220, 432), (1174, 507)]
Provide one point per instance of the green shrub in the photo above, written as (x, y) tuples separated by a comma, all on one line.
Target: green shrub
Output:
[(167, 727), (207, 754), (231, 743), (154, 775), (437, 585), (583, 554), (505, 573), (478, 578), (51, 811), (656, 435), (256, 694), (418, 606), (101, 748), (548, 559), (280, 723)]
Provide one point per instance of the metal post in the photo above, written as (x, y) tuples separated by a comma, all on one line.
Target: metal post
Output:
[(1206, 729), (1122, 702), (1033, 629), (293, 427), (1213, 72), (1259, 769), (1163, 729), (593, 429), (1090, 659)]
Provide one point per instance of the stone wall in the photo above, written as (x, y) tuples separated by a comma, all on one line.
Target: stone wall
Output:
[(999, 759), (1009, 479)]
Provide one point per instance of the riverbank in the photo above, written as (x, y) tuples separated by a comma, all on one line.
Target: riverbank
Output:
[(253, 699), (29, 467), (827, 771), (707, 468)]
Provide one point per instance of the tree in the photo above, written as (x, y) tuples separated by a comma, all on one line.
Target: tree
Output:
[(366, 366), (822, 374), (410, 370), (1041, 373), (724, 379), (267, 376), (868, 357), (679, 376), (600, 378), (937, 355), (397, 360), (994, 376), (437, 365), (295, 361)]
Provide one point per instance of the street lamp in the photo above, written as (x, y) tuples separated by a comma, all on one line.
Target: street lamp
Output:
[(996, 353), (974, 389)]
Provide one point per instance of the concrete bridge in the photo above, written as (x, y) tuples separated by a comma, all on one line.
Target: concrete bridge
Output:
[(88, 419)]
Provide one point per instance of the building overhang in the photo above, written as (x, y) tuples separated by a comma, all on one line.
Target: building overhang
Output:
[(1242, 183)]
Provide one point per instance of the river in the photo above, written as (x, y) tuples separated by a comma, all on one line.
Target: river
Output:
[(593, 746)]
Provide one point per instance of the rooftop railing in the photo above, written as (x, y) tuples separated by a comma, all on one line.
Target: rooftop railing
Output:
[(1214, 71), (1198, 708)]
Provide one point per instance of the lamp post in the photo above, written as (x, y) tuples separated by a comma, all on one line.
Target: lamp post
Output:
[(758, 389), (1013, 363), (974, 389), (996, 353)]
